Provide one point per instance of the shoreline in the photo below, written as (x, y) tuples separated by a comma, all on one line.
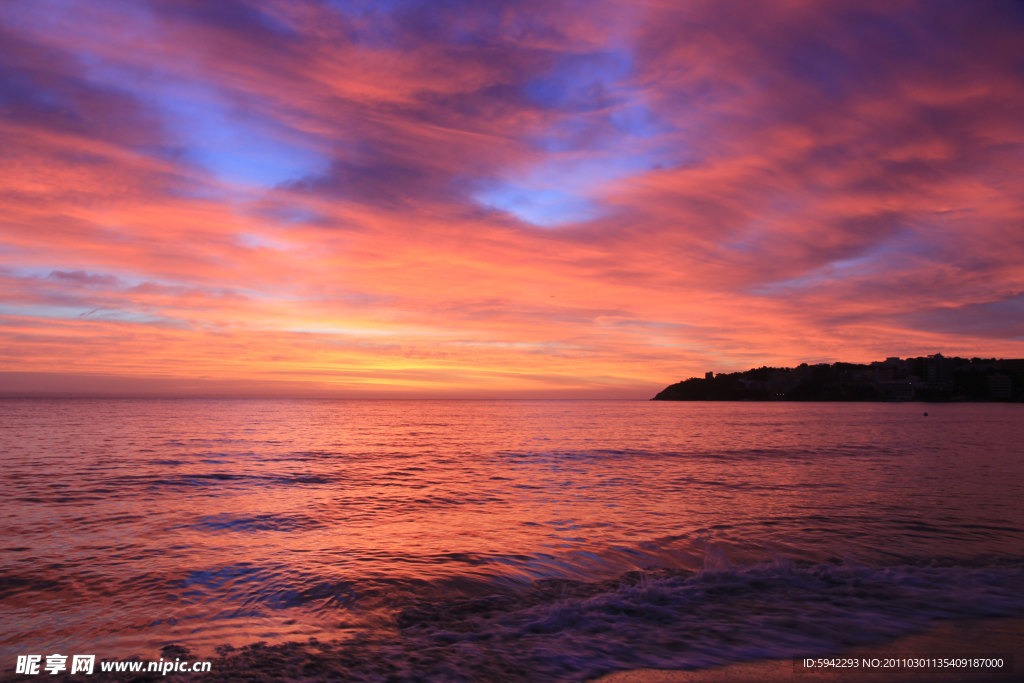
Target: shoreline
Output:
[(998, 637), (347, 660)]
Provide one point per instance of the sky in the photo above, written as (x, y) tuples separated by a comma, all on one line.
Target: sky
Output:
[(501, 199)]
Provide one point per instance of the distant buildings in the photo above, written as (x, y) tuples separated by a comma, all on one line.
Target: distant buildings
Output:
[(927, 378), (1000, 387)]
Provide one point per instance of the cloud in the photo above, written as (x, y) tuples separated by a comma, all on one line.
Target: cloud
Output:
[(592, 199)]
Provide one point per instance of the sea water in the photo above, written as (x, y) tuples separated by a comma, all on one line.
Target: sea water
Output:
[(557, 539)]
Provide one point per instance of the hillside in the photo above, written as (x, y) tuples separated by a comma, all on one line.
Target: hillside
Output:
[(926, 378)]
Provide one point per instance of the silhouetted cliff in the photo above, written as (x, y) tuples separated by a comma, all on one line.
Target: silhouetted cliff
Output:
[(926, 378)]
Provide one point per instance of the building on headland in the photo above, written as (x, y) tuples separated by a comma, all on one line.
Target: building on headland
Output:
[(896, 389), (936, 369), (1000, 387), (892, 368)]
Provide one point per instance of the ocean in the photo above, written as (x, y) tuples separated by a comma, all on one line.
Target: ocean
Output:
[(554, 540)]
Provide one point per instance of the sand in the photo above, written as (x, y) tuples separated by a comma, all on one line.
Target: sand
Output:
[(972, 638), (380, 661)]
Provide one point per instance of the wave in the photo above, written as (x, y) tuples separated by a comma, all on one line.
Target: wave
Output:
[(575, 630)]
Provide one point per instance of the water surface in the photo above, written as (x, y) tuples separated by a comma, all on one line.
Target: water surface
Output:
[(760, 529)]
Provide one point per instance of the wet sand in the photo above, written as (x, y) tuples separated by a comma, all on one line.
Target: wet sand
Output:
[(378, 660), (970, 638), (382, 660)]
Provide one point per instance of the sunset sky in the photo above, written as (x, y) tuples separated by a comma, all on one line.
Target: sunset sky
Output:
[(560, 199)]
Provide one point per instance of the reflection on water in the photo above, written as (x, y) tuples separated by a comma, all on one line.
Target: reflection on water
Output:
[(130, 523)]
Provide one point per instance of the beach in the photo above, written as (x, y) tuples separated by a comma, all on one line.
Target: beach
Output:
[(998, 638), (967, 639)]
